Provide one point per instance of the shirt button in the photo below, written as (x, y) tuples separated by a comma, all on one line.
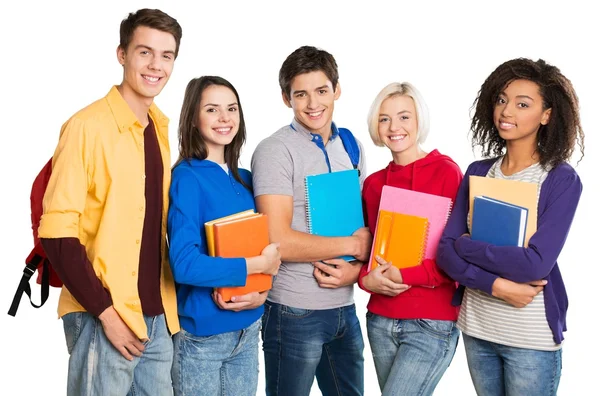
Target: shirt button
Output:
[(143, 176), (141, 208), (130, 129), (137, 241), (133, 273)]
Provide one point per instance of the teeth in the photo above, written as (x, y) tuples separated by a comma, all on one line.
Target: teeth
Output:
[(398, 138), (506, 125), (222, 130), (318, 113), (151, 79)]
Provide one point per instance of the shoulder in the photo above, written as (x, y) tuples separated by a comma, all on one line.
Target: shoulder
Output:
[(185, 172), (374, 178), (564, 174), (481, 167), (246, 175)]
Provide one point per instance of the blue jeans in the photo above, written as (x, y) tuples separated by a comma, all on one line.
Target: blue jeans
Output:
[(301, 343), (410, 355), (97, 368), (504, 370), (221, 364)]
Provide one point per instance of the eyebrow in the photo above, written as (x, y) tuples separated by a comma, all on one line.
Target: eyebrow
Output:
[(216, 105), (316, 89), (152, 49), (400, 112), (520, 96)]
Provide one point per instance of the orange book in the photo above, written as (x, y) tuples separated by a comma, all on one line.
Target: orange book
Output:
[(243, 237), (400, 239)]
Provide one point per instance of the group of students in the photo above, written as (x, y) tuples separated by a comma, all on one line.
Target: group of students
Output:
[(125, 233)]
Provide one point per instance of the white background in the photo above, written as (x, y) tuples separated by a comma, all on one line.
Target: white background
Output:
[(60, 56)]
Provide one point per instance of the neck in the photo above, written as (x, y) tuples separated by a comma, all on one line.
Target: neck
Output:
[(137, 103), (408, 156), (519, 155), (216, 154)]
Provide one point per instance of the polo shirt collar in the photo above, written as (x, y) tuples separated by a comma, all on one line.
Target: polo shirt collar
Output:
[(296, 126), (125, 117)]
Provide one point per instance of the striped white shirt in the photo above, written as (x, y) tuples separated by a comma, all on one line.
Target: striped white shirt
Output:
[(492, 319)]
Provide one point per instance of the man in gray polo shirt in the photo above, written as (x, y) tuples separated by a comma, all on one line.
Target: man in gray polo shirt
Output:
[(309, 325)]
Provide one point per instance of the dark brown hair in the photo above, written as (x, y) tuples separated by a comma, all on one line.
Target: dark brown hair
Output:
[(191, 142), (305, 60), (155, 19), (556, 140)]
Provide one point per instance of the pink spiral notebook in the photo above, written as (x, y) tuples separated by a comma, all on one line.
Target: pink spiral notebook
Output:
[(433, 207)]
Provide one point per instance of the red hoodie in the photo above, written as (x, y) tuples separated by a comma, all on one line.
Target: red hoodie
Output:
[(431, 293)]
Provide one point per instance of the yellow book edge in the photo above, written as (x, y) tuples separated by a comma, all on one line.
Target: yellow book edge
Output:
[(209, 229)]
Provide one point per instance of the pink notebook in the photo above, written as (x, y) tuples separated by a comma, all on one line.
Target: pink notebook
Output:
[(433, 207)]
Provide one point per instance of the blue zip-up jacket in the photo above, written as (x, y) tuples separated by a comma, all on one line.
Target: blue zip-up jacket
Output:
[(202, 191), (477, 264)]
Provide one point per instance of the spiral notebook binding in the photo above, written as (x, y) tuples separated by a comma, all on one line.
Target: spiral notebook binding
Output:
[(449, 212), (425, 237), (307, 207)]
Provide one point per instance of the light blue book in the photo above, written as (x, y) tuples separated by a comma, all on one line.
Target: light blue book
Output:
[(334, 204), (498, 223)]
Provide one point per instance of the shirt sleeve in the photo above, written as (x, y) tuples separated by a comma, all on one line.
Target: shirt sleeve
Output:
[(447, 259), (534, 262), (64, 199), (69, 260), (187, 240), (272, 169)]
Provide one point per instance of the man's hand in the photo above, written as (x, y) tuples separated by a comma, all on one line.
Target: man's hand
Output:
[(241, 303), (364, 242), (120, 335), (334, 273), (517, 294), (384, 279)]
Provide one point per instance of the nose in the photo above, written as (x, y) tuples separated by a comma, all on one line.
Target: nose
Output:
[(394, 125), (505, 110), (155, 63), (224, 116), (312, 101)]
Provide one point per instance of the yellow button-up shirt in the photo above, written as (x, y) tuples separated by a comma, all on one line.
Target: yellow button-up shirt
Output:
[(97, 193)]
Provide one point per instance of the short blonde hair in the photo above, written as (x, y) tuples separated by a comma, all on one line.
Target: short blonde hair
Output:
[(399, 89)]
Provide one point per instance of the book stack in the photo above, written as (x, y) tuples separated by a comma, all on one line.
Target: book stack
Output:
[(244, 234)]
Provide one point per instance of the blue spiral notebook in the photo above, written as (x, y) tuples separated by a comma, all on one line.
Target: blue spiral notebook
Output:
[(334, 204), (497, 222)]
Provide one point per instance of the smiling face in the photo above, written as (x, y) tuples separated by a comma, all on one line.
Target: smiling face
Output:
[(147, 63), (398, 127), (312, 98), (218, 119), (519, 112)]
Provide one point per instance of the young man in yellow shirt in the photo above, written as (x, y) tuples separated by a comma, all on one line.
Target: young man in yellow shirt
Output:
[(104, 223)]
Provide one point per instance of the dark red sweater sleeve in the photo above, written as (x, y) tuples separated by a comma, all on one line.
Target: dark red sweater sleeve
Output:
[(69, 260)]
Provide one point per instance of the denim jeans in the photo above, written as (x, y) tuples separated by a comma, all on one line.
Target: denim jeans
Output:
[(221, 364), (410, 355), (97, 368), (498, 370), (301, 343)]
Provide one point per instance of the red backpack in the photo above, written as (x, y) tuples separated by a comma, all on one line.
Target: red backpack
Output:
[(37, 259)]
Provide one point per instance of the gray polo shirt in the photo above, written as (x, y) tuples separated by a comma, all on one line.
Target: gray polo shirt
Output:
[(279, 165)]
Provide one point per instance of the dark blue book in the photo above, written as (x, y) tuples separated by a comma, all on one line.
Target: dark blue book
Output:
[(498, 223)]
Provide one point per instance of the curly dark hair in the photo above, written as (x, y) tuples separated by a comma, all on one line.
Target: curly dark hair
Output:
[(556, 140)]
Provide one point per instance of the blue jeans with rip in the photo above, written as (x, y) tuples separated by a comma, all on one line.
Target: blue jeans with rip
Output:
[(499, 370), (300, 344), (410, 355), (96, 368), (221, 364)]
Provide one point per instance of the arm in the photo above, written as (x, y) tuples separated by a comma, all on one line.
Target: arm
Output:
[(297, 246), (187, 243), (537, 260), (64, 203), (447, 259)]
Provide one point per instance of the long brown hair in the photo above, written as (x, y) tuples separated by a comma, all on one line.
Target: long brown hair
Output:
[(191, 142)]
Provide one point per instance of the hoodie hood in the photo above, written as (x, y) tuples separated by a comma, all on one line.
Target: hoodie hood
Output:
[(408, 176)]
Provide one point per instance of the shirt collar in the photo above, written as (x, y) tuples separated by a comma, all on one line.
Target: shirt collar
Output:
[(296, 126), (125, 117)]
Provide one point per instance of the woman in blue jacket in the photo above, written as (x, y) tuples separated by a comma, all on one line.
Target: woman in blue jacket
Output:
[(216, 352), (513, 298)]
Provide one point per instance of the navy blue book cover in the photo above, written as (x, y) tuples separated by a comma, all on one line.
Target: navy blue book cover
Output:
[(498, 223)]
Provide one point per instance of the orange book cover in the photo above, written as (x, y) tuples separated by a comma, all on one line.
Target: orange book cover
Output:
[(400, 239), (245, 237)]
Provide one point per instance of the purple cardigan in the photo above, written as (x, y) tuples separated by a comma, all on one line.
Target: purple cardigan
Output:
[(478, 264)]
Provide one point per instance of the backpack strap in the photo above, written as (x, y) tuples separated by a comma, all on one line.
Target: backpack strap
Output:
[(350, 146), (28, 271)]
